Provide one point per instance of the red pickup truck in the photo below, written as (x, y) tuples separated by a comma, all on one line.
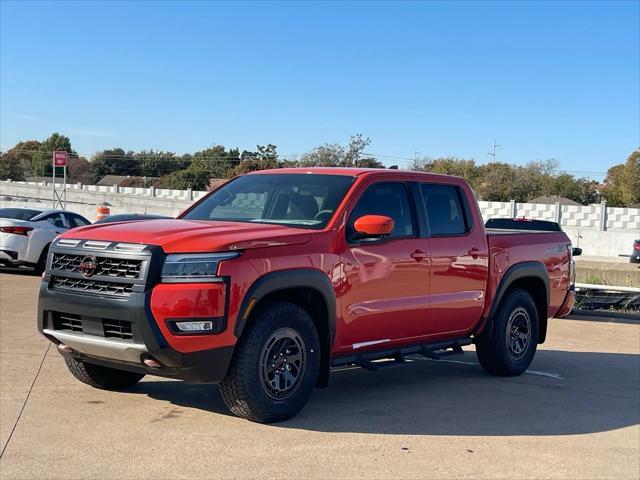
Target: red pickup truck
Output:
[(275, 277)]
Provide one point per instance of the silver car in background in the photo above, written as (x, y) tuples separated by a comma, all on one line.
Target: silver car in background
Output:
[(26, 233)]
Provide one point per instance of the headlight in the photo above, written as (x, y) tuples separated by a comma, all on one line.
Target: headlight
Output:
[(193, 267)]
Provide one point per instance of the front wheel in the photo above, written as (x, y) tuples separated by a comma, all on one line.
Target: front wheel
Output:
[(101, 377), (512, 345), (275, 366)]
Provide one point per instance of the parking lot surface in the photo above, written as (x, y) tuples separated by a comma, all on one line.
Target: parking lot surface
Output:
[(576, 414)]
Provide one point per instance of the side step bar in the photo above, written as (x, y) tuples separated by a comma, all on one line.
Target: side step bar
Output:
[(397, 356)]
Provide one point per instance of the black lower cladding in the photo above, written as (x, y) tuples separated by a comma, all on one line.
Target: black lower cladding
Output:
[(130, 320)]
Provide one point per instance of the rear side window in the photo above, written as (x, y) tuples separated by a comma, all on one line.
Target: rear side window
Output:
[(18, 213), (444, 209), (390, 200)]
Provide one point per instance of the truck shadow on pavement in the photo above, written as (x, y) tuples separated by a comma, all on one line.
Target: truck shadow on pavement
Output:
[(563, 393)]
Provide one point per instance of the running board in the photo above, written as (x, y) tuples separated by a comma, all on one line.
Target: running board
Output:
[(367, 359)]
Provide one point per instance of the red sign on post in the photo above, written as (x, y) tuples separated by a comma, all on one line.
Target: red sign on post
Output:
[(60, 159)]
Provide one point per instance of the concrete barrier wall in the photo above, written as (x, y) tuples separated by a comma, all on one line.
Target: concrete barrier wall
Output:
[(599, 230), (84, 199)]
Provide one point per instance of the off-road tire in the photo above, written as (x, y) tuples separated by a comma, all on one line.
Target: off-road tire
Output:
[(244, 390), (494, 353), (101, 377)]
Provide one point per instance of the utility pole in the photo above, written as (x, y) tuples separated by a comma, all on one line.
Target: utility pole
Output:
[(495, 147)]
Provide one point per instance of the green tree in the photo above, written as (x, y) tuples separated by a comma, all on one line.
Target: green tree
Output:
[(336, 155), (79, 170), (158, 163), (460, 167), (631, 185), (17, 161), (265, 157), (613, 186), (10, 169), (355, 150), (325, 155), (193, 177), (217, 161), (42, 160), (114, 161), (502, 182)]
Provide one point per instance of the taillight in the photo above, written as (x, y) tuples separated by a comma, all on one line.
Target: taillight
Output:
[(636, 245), (572, 267), (16, 230)]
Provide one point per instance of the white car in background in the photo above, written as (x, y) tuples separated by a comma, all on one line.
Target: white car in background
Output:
[(26, 233)]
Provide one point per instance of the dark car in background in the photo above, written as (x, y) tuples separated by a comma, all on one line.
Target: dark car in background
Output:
[(130, 217), (635, 254)]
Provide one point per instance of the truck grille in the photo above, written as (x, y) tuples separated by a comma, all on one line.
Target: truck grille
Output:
[(117, 329), (92, 286), (66, 321), (107, 266), (101, 327)]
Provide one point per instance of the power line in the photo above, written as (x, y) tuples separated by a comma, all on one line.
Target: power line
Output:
[(139, 157)]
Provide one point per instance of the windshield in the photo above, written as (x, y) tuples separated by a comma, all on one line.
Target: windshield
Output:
[(18, 213), (298, 200)]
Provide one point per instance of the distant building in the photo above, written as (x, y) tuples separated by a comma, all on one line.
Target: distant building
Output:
[(550, 200)]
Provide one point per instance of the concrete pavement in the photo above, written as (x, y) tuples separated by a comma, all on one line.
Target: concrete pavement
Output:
[(575, 414)]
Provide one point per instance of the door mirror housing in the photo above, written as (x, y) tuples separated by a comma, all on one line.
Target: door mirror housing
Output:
[(576, 252), (374, 226)]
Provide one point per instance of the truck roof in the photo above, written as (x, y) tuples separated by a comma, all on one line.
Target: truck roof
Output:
[(350, 171)]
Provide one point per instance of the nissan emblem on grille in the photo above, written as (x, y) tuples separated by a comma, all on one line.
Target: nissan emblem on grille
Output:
[(88, 266)]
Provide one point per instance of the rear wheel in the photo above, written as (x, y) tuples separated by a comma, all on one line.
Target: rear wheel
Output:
[(101, 377), (514, 339), (275, 366)]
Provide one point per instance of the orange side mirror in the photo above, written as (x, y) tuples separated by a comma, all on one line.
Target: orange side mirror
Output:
[(374, 225)]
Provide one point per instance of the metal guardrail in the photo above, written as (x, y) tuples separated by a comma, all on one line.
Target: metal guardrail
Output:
[(607, 297), (609, 288)]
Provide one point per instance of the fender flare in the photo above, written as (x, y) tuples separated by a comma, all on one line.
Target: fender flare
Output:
[(518, 271), (286, 279)]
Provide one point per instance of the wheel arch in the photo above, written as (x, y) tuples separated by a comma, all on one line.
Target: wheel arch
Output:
[(533, 278), (311, 289)]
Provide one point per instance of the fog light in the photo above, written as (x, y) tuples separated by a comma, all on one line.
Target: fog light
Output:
[(202, 326)]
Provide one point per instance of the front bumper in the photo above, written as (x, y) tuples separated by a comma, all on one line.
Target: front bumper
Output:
[(146, 338)]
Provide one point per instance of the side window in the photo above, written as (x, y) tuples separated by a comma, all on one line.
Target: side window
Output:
[(389, 199), (76, 220), (56, 219), (444, 209)]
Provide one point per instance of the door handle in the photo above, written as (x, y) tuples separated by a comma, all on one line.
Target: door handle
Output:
[(474, 252), (418, 255)]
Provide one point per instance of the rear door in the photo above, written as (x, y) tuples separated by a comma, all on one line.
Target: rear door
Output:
[(459, 266)]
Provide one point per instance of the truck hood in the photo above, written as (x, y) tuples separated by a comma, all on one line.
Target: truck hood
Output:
[(190, 236)]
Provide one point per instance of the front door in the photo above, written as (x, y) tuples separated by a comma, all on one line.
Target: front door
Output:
[(387, 280)]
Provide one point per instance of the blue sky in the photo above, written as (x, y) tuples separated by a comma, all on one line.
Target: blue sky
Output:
[(546, 79)]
